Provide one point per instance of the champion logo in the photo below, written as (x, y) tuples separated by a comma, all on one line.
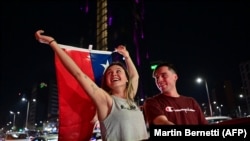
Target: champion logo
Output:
[(171, 109)]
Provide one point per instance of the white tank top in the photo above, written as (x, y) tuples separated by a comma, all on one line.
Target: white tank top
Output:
[(124, 123)]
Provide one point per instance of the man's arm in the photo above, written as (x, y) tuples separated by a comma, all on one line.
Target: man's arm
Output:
[(154, 114), (162, 120)]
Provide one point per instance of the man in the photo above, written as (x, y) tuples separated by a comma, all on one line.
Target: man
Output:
[(169, 107)]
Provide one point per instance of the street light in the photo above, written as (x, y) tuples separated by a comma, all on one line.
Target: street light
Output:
[(218, 107), (14, 118), (199, 80), (27, 113), (243, 96)]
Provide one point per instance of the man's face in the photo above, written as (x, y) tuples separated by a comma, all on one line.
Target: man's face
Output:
[(165, 79)]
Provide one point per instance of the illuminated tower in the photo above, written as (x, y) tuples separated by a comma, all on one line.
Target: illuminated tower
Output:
[(101, 25)]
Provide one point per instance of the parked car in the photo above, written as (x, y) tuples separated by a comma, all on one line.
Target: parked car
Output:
[(2, 136), (38, 139), (236, 121), (217, 119), (46, 137), (16, 136)]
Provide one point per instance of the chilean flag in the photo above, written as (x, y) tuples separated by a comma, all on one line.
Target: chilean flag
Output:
[(76, 109)]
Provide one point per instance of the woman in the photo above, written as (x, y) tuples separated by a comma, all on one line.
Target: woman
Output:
[(120, 118)]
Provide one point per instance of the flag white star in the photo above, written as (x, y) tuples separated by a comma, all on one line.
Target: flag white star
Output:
[(105, 66)]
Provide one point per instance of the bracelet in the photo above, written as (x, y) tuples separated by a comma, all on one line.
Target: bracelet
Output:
[(125, 57), (51, 41)]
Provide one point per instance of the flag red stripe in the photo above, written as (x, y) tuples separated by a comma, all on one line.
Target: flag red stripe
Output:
[(76, 109)]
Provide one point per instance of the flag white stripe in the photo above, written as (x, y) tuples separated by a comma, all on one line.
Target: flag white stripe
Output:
[(67, 47)]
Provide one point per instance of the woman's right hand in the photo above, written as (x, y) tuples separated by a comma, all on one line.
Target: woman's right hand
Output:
[(43, 38)]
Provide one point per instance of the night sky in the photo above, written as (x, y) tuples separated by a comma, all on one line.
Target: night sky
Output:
[(200, 38)]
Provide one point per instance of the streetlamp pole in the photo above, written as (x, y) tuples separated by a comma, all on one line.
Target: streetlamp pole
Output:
[(27, 115), (14, 118), (219, 109), (208, 98)]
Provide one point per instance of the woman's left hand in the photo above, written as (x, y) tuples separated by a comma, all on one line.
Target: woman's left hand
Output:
[(122, 50)]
